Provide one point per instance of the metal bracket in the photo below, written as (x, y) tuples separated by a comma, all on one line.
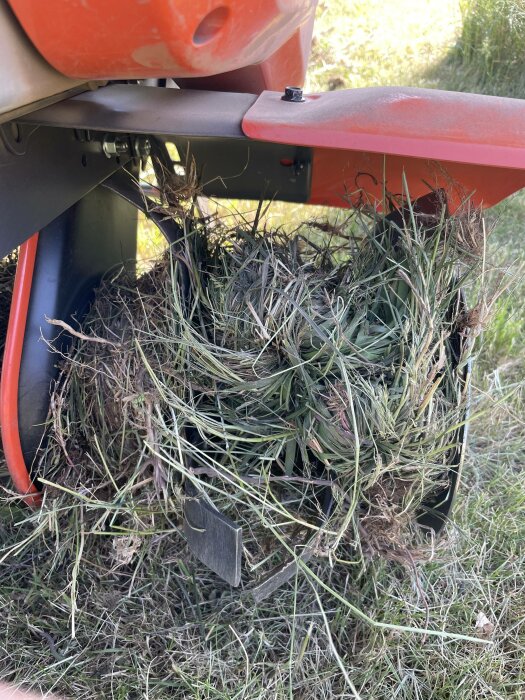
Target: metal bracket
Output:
[(214, 539), (205, 126), (141, 109), (43, 172)]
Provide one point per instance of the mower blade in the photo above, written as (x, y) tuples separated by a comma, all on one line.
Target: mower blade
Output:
[(281, 574), (214, 539)]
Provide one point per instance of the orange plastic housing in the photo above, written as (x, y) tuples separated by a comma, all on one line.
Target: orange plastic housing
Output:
[(367, 140), (110, 39), (11, 371)]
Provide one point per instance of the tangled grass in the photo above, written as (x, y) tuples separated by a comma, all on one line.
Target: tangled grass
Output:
[(304, 389), (309, 387), (99, 592), (160, 626)]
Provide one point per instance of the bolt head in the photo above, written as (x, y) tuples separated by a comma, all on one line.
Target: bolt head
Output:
[(115, 145), (293, 94), (142, 146)]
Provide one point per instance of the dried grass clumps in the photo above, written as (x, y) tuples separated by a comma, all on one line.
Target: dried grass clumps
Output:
[(308, 386)]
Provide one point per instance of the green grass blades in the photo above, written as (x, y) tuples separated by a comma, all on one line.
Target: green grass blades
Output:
[(288, 365)]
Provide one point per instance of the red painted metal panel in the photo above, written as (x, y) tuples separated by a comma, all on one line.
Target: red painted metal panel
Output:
[(156, 38), (370, 137), (354, 178), (11, 372)]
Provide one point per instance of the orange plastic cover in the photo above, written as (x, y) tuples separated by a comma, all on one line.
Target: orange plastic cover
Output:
[(104, 39), (11, 372)]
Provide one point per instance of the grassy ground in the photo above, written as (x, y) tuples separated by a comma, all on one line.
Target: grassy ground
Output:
[(370, 42), (490, 52), (143, 629)]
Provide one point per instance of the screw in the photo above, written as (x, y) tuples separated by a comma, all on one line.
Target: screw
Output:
[(115, 145), (141, 147), (293, 94)]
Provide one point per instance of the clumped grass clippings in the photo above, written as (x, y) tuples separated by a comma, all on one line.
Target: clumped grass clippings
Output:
[(107, 561), (163, 627), (307, 389)]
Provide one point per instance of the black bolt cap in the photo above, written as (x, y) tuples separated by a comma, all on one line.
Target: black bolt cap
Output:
[(293, 94)]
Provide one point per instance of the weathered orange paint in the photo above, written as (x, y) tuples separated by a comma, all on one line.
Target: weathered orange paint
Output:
[(368, 139), (108, 39), (355, 178), (287, 66), (11, 372)]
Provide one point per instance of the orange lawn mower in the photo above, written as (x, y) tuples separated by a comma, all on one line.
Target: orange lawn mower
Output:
[(89, 89)]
